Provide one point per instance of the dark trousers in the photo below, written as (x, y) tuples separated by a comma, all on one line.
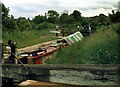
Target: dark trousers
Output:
[(11, 59), (56, 34), (63, 33)]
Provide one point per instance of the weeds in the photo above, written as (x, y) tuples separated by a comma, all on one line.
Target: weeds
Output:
[(99, 48), (27, 38)]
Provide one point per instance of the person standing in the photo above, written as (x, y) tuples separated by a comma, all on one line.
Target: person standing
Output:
[(63, 31), (13, 51), (56, 30)]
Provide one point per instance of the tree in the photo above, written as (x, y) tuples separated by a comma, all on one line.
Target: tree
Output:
[(102, 19), (76, 15), (39, 19), (12, 17), (84, 21), (9, 25), (23, 24), (52, 16), (115, 17), (5, 11), (66, 19)]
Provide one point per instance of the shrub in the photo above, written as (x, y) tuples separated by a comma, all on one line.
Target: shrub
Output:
[(45, 25)]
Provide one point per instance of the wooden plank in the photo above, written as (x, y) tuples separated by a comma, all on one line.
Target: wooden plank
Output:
[(32, 83), (67, 74)]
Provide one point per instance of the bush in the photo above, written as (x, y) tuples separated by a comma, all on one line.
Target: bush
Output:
[(116, 27), (45, 25)]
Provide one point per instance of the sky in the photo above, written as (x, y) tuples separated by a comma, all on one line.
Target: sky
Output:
[(31, 8)]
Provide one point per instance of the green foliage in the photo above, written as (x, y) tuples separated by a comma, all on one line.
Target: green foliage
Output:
[(39, 19), (66, 19), (84, 21), (98, 21), (45, 25), (9, 25), (76, 15), (52, 16), (71, 28), (5, 11), (102, 19), (116, 27), (51, 19), (23, 24), (99, 48), (115, 17)]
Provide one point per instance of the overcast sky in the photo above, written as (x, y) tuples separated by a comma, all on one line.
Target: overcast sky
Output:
[(31, 8)]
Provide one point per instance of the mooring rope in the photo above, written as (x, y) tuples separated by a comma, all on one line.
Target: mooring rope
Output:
[(29, 71)]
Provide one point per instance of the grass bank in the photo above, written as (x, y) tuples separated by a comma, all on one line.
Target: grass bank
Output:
[(99, 48), (28, 38)]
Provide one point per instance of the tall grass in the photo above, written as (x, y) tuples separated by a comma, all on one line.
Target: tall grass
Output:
[(27, 38), (99, 48)]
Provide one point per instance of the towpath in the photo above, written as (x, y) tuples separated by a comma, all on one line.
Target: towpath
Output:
[(34, 47), (37, 46)]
